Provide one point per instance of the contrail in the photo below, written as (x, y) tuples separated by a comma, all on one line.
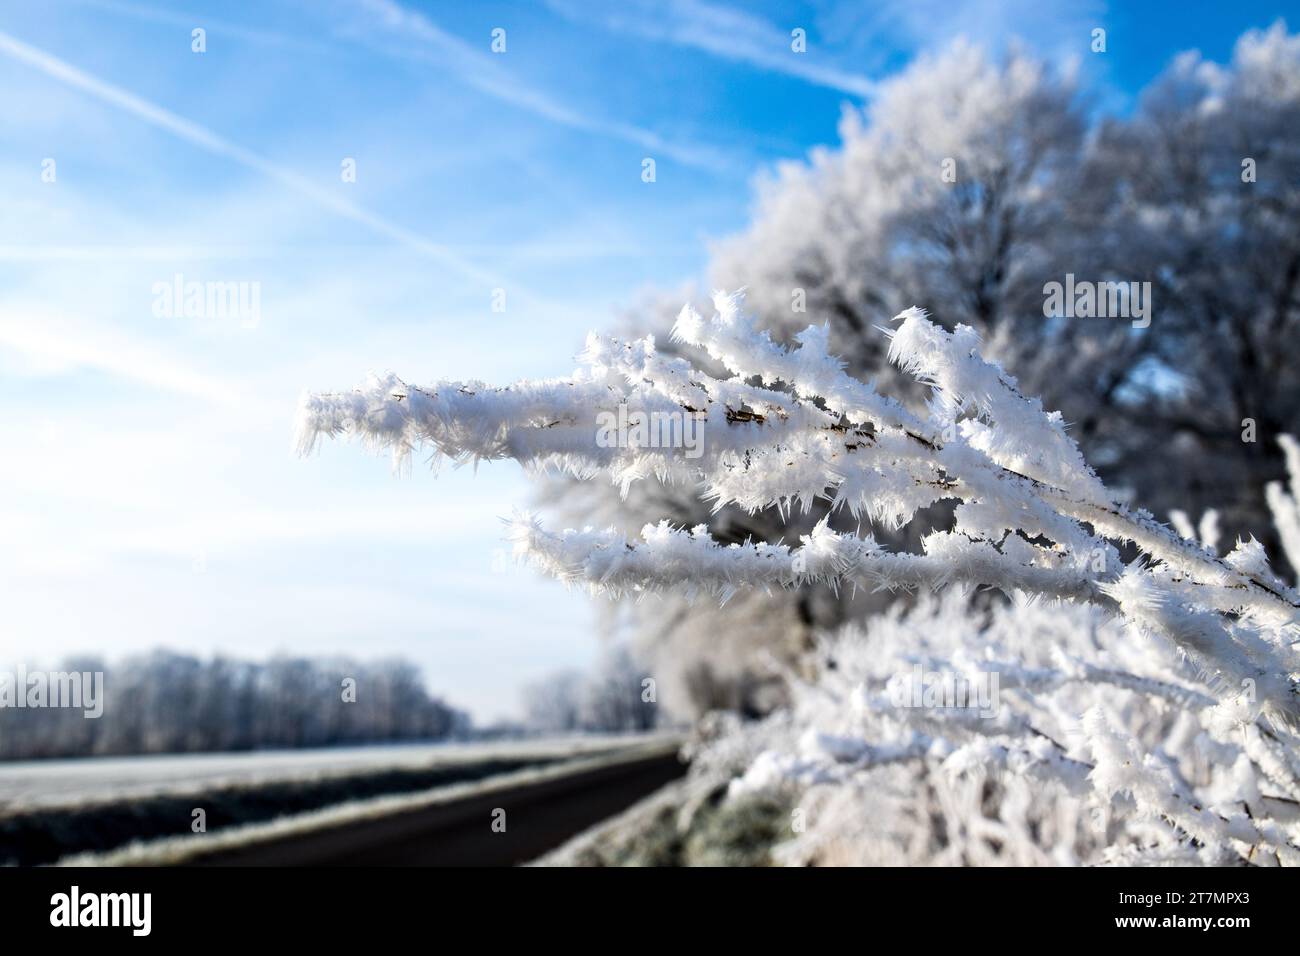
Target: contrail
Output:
[(483, 72), (207, 140)]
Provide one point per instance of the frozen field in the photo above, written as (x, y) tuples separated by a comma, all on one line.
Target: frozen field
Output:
[(47, 784)]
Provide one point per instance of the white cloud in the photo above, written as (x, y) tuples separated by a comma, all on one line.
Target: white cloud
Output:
[(48, 344)]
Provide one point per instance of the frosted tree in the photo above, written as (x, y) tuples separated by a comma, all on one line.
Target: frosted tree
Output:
[(965, 181), (785, 427), (962, 183), (1200, 195), (974, 182), (611, 698)]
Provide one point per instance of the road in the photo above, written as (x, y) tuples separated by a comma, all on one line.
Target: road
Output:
[(539, 815)]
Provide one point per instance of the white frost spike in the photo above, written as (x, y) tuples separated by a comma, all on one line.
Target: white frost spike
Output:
[(1027, 439)]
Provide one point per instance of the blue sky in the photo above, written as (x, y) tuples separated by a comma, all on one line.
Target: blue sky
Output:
[(148, 493)]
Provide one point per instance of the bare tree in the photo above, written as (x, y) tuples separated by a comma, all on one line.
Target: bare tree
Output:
[(173, 703)]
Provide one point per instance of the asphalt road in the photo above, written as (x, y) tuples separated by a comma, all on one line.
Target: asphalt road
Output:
[(539, 816)]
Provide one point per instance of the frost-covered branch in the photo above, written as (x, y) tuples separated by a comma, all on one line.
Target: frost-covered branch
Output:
[(790, 428)]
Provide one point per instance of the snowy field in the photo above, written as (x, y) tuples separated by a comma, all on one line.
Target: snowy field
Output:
[(47, 784)]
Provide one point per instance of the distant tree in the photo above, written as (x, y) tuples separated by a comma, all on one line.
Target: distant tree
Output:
[(554, 703), (615, 695), (172, 703), (612, 698), (1199, 193)]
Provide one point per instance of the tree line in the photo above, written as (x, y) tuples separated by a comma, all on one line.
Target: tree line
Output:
[(164, 702), (616, 696)]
